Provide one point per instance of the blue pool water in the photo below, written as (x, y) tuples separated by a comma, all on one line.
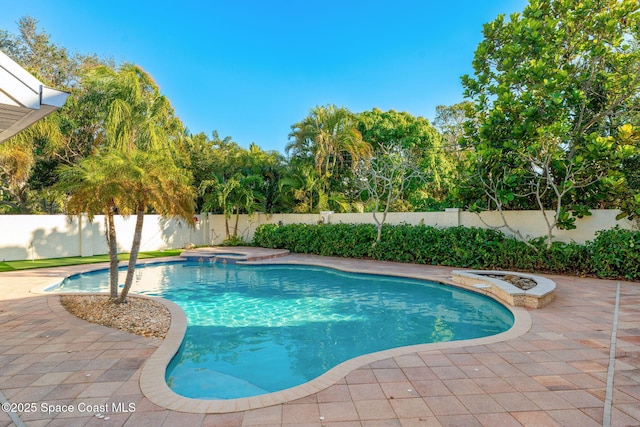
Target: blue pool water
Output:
[(260, 329)]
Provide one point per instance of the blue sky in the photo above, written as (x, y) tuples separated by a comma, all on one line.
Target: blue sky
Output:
[(250, 69)]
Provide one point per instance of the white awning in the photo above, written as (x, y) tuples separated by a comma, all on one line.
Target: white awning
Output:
[(23, 99)]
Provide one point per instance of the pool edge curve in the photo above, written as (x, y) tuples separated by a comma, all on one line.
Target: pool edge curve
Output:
[(155, 388)]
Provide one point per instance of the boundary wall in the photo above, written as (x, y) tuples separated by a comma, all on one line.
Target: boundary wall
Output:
[(24, 237)]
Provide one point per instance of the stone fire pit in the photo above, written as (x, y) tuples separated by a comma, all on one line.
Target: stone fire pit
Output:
[(517, 289)]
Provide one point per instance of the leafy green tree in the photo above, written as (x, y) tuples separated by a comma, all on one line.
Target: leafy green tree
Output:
[(126, 183), (450, 122), (269, 167), (307, 189), (211, 158), (216, 159), (16, 162), (18, 157), (630, 204), (61, 138), (551, 88), (416, 139), (136, 115), (34, 50)]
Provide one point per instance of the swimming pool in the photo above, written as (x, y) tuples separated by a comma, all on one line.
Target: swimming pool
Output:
[(258, 329)]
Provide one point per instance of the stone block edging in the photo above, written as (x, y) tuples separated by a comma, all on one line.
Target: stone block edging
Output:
[(479, 281)]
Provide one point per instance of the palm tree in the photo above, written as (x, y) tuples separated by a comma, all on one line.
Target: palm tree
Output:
[(267, 167), (136, 166), (18, 158), (328, 135), (215, 193), (136, 115), (154, 182), (232, 196), (16, 162), (96, 188), (131, 184), (247, 197)]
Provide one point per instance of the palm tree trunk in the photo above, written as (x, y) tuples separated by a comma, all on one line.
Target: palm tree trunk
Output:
[(133, 256), (113, 252), (235, 228)]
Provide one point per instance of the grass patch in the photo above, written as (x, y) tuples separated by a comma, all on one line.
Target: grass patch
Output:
[(61, 262)]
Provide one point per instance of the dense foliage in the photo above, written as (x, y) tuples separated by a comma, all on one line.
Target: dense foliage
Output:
[(551, 122), (136, 163), (613, 254), (616, 253), (556, 94)]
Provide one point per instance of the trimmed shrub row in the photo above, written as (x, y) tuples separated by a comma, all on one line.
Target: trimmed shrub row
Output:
[(614, 253)]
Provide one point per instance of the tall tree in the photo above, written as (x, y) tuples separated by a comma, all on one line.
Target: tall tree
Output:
[(384, 179), (211, 158), (136, 114), (551, 87), (34, 50), (232, 180), (269, 167), (95, 187), (328, 139), (307, 189), (153, 181), (450, 121), (141, 135), (239, 193), (416, 139), (18, 157), (61, 138)]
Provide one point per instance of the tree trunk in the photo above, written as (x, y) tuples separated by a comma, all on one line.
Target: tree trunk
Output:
[(133, 256), (235, 228), (226, 226), (113, 252)]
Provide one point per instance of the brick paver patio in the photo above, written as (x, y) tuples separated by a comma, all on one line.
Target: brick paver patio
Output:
[(556, 374)]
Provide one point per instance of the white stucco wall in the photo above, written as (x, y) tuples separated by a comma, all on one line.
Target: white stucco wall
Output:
[(38, 236), (57, 236), (53, 236), (532, 224)]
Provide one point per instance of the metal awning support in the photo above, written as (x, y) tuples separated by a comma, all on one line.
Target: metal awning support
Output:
[(23, 99)]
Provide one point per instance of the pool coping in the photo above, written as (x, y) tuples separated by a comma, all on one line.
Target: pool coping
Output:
[(155, 388), (153, 379)]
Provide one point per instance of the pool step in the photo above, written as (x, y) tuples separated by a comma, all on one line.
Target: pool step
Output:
[(218, 385)]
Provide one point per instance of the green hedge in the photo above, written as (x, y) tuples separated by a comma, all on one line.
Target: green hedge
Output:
[(613, 254), (616, 253)]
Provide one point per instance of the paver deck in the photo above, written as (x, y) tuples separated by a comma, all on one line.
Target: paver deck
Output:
[(561, 372)]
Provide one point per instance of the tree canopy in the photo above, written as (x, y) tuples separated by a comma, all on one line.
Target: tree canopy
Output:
[(418, 143), (550, 122), (136, 165), (553, 88)]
